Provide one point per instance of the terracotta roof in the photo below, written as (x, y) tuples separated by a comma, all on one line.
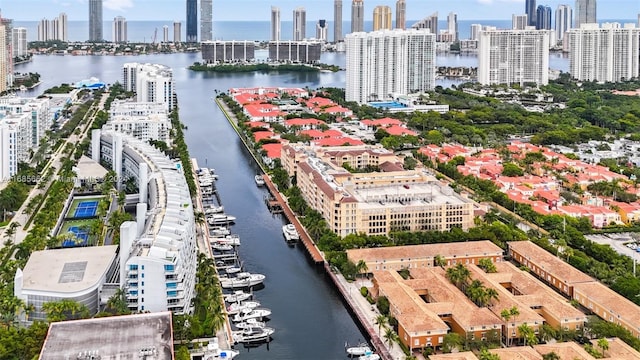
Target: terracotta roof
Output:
[(337, 141), (254, 124), (259, 135), (613, 303), (467, 355), (517, 353), (302, 122), (273, 150), (549, 262), (566, 350), (460, 249), (618, 350), (399, 131), (388, 166)]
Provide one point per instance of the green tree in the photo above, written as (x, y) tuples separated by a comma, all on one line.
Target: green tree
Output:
[(511, 170), (182, 353), (439, 260), (527, 334), (603, 344), (486, 355), (551, 356), (381, 320), (117, 303), (65, 310), (451, 341), (361, 267), (390, 336), (487, 265), (459, 275)]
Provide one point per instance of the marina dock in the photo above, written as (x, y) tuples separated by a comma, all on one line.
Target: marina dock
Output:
[(309, 245)]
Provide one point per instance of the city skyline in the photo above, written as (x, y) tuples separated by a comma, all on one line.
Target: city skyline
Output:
[(137, 10)]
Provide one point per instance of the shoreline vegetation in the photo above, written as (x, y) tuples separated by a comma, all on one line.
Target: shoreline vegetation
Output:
[(263, 67)]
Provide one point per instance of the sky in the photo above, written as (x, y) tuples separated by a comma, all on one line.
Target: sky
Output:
[(257, 10)]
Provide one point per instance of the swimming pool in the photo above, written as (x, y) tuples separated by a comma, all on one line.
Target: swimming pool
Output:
[(387, 104)]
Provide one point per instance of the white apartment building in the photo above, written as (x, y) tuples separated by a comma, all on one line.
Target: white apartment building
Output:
[(383, 64), (38, 109), (157, 251), (607, 53), (564, 21), (119, 30), (19, 38), (15, 142), (150, 82), (519, 22), (144, 121), (513, 57)]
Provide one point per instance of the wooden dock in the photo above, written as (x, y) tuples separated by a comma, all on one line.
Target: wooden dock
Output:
[(305, 239)]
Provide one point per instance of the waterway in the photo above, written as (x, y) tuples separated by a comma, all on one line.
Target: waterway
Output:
[(310, 319)]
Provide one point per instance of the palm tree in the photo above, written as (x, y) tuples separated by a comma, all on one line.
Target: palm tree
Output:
[(459, 275), (603, 344), (492, 294), (551, 356), (439, 260), (389, 336), (361, 267), (380, 321), (528, 335), (486, 355)]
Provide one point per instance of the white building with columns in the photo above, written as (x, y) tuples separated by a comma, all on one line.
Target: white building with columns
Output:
[(142, 120), (151, 83), (157, 251)]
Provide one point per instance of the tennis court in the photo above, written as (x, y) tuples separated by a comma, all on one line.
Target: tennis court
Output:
[(86, 209), (81, 234)]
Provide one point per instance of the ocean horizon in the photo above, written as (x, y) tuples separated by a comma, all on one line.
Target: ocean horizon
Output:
[(144, 31)]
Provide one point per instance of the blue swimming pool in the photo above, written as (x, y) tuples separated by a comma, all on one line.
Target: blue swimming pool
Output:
[(387, 104)]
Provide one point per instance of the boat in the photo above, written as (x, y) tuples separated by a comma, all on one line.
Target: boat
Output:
[(233, 269), (233, 240), (257, 314), (219, 231), (220, 219), (359, 350), (213, 351), (214, 210), (242, 307), (250, 323), (242, 280), (252, 335), (369, 356), (290, 232), (236, 296), (259, 180), (221, 247)]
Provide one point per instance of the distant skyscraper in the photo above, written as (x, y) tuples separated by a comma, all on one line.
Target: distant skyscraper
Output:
[(357, 16), (19, 38), (585, 12), (119, 30), (63, 32), (452, 25), (206, 20), (382, 64), (608, 53), (299, 24), (381, 18), (430, 22), (564, 21), (177, 31), (275, 23), (337, 21), (44, 30), (165, 34), (322, 30), (513, 57), (519, 22), (401, 14), (4, 59), (192, 21), (475, 31), (543, 18), (95, 20), (530, 10)]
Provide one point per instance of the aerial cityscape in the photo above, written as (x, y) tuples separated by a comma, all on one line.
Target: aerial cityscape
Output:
[(355, 179)]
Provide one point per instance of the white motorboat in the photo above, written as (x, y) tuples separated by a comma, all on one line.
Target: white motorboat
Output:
[(221, 247), (236, 296), (369, 356), (213, 351), (233, 269), (242, 307), (259, 180), (250, 323), (257, 314), (252, 335), (290, 232), (214, 210), (219, 231), (233, 240), (359, 350), (220, 219), (242, 280)]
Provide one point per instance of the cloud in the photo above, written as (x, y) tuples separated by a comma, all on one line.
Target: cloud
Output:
[(118, 5)]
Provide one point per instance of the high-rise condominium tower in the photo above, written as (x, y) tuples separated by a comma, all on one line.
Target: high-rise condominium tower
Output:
[(381, 64), (299, 24), (4, 59), (19, 38), (513, 57), (475, 31), (585, 12), (543, 18), (206, 20), (381, 18), (357, 16), (322, 30), (177, 31), (519, 22), (530, 10), (119, 30), (452, 24), (337, 21), (564, 21), (63, 32), (608, 53), (95, 20), (44, 30), (401, 14), (430, 22), (192, 21), (165, 33), (275, 23)]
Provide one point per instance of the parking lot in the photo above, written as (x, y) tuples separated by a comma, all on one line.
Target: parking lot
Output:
[(622, 243)]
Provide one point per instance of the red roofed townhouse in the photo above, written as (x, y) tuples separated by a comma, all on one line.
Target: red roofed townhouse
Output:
[(383, 123), (318, 102), (303, 124), (257, 124), (336, 110), (333, 141), (628, 212), (399, 131), (263, 112), (261, 135), (273, 150)]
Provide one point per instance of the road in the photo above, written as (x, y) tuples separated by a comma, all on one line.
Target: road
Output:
[(22, 217)]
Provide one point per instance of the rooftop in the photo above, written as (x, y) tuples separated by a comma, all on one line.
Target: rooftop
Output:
[(118, 337), (67, 270), (612, 302), (566, 350), (89, 169), (517, 353), (549, 262), (461, 249), (467, 355)]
